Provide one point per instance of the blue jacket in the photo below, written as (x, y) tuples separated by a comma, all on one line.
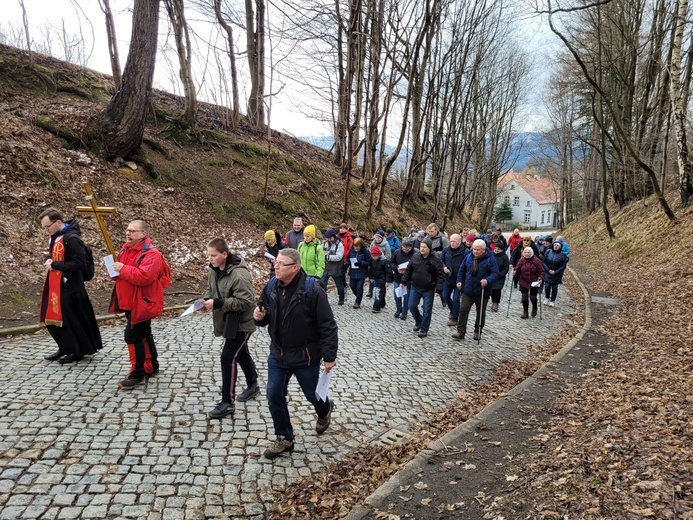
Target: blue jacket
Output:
[(452, 259), (503, 268), (556, 262), (394, 242), (471, 282), (363, 262)]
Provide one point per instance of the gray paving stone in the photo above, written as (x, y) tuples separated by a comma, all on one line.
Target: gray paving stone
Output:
[(152, 453)]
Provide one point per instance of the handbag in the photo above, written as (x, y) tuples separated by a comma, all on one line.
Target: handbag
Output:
[(232, 320)]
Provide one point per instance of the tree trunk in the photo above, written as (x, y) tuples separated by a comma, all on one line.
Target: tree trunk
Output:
[(176, 15), (25, 20), (232, 63), (255, 29), (120, 128), (112, 41)]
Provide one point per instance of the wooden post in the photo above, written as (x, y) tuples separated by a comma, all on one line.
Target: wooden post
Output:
[(99, 213)]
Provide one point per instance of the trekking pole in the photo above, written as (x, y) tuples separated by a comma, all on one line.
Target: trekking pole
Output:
[(509, 296), (481, 309)]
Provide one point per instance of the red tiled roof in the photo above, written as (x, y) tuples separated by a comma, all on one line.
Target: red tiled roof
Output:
[(543, 190)]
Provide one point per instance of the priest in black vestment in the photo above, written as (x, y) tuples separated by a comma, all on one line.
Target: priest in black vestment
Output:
[(65, 306)]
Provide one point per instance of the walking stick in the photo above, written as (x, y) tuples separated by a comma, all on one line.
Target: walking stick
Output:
[(481, 310), (507, 313)]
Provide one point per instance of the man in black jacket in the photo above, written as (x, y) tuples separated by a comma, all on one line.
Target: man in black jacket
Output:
[(302, 331)]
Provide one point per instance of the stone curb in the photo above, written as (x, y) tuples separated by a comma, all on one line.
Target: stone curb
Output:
[(415, 465), (30, 329)]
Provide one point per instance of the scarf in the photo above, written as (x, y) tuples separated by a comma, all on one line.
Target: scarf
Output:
[(54, 311)]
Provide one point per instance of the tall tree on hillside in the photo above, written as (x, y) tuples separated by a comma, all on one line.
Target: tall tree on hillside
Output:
[(118, 130), (105, 6), (678, 107), (25, 20), (176, 15), (232, 63), (255, 35)]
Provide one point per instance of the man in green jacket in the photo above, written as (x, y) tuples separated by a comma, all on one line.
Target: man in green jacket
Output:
[(231, 297)]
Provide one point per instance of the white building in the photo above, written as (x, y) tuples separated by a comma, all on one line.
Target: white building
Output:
[(533, 199)]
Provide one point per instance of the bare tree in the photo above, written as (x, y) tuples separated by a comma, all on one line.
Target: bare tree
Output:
[(255, 38), (105, 6), (25, 20), (232, 63)]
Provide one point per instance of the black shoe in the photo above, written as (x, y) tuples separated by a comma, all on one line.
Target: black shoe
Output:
[(249, 393), (53, 357), (280, 446), (457, 336), (340, 302), (222, 409), (524, 315), (376, 310), (130, 383), (70, 358), (324, 422), (417, 326), (403, 317), (477, 335), (423, 334), (534, 312), (397, 314)]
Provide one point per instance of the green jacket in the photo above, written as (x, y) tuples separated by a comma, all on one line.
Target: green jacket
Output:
[(231, 287), (312, 258)]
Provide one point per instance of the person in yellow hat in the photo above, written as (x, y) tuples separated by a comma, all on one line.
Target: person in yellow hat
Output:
[(273, 244), (312, 254)]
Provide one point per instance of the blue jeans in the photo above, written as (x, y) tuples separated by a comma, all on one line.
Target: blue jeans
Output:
[(339, 282), (356, 285), (551, 290), (414, 296), (451, 296), (277, 388), (401, 303)]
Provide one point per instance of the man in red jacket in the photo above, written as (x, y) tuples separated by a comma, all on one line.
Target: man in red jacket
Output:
[(139, 294)]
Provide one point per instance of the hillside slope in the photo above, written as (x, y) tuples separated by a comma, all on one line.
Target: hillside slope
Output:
[(203, 190)]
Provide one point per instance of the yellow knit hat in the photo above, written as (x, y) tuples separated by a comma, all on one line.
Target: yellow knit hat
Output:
[(269, 235), (309, 231)]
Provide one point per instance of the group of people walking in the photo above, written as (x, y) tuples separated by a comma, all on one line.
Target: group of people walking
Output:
[(465, 270)]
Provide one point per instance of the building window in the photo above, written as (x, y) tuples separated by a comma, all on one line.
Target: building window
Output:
[(548, 216), (542, 216), (516, 201), (507, 199), (512, 186), (529, 203), (528, 217)]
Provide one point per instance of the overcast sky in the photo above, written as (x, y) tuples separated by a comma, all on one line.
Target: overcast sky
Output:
[(86, 17)]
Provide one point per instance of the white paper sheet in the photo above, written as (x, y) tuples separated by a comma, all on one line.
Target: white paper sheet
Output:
[(271, 257), (353, 261), (196, 306), (400, 291), (376, 293), (323, 385), (403, 265), (108, 262)]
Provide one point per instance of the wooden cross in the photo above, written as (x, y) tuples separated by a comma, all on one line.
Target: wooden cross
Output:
[(99, 213)]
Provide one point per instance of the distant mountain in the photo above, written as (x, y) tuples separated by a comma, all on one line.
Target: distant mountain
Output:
[(524, 147)]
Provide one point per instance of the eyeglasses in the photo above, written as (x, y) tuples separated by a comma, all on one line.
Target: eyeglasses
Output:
[(134, 230), (278, 264), (48, 226)]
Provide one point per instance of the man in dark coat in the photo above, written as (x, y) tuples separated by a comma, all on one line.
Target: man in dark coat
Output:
[(303, 332), (65, 306), (452, 258)]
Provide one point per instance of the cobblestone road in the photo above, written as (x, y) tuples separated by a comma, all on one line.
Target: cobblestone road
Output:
[(74, 446)]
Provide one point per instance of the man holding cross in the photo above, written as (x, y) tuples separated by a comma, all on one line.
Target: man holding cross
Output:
[(139, 294), (65, 306)]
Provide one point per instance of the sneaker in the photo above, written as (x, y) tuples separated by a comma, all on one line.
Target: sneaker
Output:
[(357, 306), (452, 323), (457, 336), (551, 304), (53, 357), (129, 383), (280, 446), (221, 410), (376, 310), (403, 317), (397, 314), (417, 326), (248, 393), (340, 302), (423, 334), (324, 422)]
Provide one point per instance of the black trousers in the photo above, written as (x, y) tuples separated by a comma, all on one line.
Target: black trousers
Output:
[(234, 353)]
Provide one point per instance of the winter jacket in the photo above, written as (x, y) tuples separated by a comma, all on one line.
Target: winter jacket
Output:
[(137, 288), (529, 271), (438, 243), (425, 274), (380, 272), (517, 252), (231, 287), (503, 268), (334, 257), (452, 259), (75, 262), (492, 245), (398, 258), (274, 250), (384, 248), (358, 268), (293, 238), (557, 262), (514, 241), (393, 242), (487, 269), (312, 257), (307, 332)]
